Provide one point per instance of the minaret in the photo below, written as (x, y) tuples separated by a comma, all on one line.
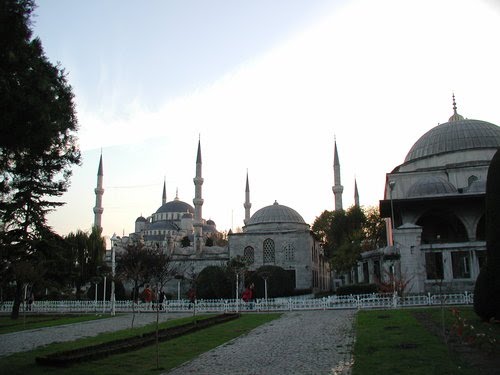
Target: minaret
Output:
[(99, 191), (198, 203), (247, 204), (356, 194), (164, 196), (337, 188)]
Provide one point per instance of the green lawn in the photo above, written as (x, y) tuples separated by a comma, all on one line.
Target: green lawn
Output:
[(394, 342), (172, 353), (8, 325)]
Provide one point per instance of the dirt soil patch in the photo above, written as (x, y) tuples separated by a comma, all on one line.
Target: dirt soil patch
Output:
[(488, 363), (69, 357)]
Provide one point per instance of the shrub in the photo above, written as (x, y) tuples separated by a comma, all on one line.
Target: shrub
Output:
[(357, 289), (280, 283), (213, 282)]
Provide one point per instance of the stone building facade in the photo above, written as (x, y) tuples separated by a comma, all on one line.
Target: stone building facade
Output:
[(435, 208)]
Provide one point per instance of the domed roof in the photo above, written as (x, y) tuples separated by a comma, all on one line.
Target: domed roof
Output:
[(431, 185), (455, 135), (176, 206), (210, 222), (141, 219), (187, 215), (275, 213)]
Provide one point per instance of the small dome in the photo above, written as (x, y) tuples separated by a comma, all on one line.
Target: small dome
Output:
[(275, 213), (141, 219), (431, 185), (176, 206), (187, 215), (456, 135), (211, 222)]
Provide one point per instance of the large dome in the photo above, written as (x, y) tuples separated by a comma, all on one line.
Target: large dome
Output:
[(277, 214), (176, 206), (455, 135)]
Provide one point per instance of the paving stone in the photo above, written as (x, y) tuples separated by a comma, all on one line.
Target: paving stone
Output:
[(305, 342)]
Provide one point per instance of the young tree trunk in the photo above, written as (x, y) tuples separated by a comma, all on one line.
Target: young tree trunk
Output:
[(157, 332), (17, 301)]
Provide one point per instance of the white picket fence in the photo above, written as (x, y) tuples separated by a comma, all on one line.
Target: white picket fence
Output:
[(366, 301)]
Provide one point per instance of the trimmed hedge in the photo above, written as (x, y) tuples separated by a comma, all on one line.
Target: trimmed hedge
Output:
[(279, 282), (214, 282), (357, 289)]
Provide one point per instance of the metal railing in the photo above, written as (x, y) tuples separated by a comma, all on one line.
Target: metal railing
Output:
[(364, 301)]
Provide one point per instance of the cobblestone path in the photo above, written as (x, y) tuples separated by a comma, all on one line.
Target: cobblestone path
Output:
[(300, 342), (306, 342)]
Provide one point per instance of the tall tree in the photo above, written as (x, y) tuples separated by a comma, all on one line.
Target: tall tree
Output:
[(38, 143), (86, 254), (134, 265), (345, 234)]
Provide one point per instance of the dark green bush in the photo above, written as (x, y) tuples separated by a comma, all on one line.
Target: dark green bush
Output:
[(280, 282), (357, 289), (214, 282)]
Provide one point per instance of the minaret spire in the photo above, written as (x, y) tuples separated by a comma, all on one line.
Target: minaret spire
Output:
[(337, 188), (164, 196), (247, 204), (356, 193), (455, 116), (99, 192), (198, 203)]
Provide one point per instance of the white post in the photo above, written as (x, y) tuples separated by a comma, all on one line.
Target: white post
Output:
[(265, 289), (104, 297), (237, 297), (113, 265), (95, 305)]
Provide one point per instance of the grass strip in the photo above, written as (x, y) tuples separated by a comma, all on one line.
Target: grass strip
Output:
[(143, 361), (394, 342), (8, 325)]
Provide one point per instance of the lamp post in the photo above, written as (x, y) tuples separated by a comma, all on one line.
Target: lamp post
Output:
[(113, 266), (179, 278), (391, 188)]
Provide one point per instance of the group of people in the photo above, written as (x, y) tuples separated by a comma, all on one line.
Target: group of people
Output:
[(149, 296)]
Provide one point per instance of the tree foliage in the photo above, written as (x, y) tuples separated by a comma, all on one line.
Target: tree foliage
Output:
[(279, 282), (86, 255), (38, 138), (345, 234), (214, 282)]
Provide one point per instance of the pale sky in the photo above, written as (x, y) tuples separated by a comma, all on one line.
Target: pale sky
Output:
[(267, 85)]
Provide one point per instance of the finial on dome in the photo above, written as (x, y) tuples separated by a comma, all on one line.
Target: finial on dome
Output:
[(455, 116), (176, 194), (275, 203)]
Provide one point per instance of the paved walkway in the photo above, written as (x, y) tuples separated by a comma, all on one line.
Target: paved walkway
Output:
[(28, 340), (306, 342)]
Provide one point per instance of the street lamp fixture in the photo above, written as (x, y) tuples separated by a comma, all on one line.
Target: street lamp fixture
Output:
[(392, 183)]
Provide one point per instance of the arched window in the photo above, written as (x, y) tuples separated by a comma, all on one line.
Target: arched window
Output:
[(481, 229), (248, 255), (289, 251), (471, 179), (440, 226), (268, 251)]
